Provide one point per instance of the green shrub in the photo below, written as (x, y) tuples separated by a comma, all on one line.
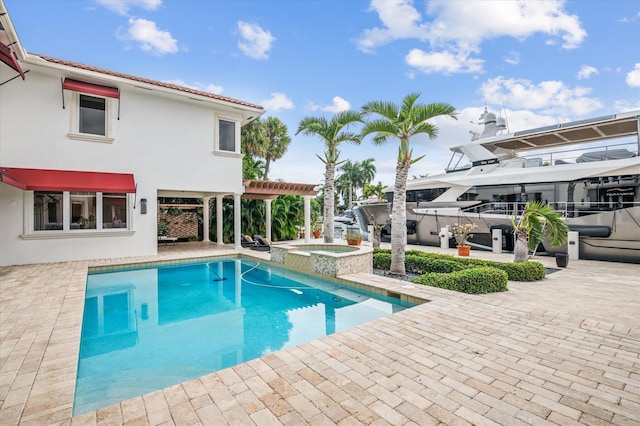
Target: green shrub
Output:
[(479, 280), (381, 260), (436, 262)]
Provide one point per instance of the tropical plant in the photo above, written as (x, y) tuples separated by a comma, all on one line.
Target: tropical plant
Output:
[(462, 231), (251, 168), (402, 122), (333, 133), (266, 139), (355, 175), (374, 190), (353, 235), (537, 221)]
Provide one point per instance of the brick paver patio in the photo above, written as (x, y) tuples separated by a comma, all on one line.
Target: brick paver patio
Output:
[(562, 351)]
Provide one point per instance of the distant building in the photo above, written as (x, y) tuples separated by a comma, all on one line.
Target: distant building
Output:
[(86, 152)]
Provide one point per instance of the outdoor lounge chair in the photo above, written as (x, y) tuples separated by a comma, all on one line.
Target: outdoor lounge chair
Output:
[(247, 241), (262, 244)]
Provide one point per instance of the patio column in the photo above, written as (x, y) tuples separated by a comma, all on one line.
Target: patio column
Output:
[(219, 239), (307, 219), (206, 218), (236, 221), (268, 218)]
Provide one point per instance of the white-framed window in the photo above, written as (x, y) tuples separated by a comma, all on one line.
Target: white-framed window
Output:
[(91, 118), (227, 135), (72, 212)]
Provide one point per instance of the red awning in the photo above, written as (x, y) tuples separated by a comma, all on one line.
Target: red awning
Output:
[(93, 89), (7, 56), (67, 180)]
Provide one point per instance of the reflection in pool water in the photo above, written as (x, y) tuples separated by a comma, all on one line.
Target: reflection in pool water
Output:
[(148, 329)]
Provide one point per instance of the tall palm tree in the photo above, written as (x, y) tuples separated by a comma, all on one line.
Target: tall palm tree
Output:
[(252, 135), (333, 133), (538, 220), (367, 171), (402, 122), (275, 144), (351, 177)]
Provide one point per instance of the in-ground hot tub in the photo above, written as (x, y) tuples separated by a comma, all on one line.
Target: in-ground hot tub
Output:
[(324, 259)]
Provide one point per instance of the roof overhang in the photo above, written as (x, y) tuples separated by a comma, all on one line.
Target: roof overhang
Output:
[(9, 44), (269, 190), (67, 180)]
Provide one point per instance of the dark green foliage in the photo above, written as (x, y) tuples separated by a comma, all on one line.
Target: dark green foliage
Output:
[(287, 212), (418, 261), (479, 280)]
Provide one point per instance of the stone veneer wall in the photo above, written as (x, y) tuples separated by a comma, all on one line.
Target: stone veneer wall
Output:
[(330, 264)]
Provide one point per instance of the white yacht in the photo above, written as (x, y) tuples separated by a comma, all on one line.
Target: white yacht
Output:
[(589, 170)]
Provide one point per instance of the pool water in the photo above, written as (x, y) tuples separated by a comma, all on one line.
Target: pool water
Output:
[(147, 329)]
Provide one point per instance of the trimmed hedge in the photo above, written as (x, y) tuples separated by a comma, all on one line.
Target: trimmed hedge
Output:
[(418, 261), (479, 280)]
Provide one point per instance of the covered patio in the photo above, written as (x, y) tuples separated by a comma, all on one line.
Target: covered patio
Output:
[(258, 190)]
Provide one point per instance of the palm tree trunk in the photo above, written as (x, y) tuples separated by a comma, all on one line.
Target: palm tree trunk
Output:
[(521, 248), (399, 220), (329, 200), (266, 168)]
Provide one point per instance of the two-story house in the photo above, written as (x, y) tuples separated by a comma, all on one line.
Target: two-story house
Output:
[(85, 153)]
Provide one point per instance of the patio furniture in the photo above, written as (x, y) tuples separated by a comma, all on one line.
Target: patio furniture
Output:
[(262, 244), (163, 239)]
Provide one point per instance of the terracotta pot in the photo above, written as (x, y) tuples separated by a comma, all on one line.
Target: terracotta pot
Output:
[(316, 234), (354, 242), (464, 250)]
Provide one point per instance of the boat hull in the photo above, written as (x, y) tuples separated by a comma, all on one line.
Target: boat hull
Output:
[(610, 235)]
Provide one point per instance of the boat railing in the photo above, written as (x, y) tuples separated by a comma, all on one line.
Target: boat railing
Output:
[(582, 155), (566, 209)]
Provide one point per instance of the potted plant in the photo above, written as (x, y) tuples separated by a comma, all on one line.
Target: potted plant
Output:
[(354, 238), (163, 230), (462, 231), (316, 229)]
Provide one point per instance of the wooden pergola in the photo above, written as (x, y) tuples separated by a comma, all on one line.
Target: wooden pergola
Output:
[(270, 190)]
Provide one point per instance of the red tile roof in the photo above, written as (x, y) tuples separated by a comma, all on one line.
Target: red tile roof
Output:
[(147, 81)]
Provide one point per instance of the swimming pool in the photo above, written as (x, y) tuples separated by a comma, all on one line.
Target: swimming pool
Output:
[(147, 329)]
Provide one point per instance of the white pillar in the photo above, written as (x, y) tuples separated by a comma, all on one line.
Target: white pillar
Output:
[(496, 238), (573, 245), (444, 238), (236, 221), (307, 219), (220, 239), (206, 218), (267, 206)]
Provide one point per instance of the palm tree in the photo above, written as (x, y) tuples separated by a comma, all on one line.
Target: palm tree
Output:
[(538, 220), (403, 122), (367, 172), (375, 190), (351, 178), (275, 144), (332, 134)]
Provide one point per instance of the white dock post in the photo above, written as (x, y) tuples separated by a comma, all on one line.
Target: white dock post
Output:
[(370, 233), (573, 245), (444, 238), (496, 240)]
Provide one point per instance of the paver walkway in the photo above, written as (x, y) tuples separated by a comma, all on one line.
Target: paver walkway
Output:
[(562, 351)]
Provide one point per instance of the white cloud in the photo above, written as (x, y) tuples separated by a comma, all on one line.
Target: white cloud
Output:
[(211, 88), (443, 62), (457, 28), (400, 20), (277, 102), (549, 97), (586, 71), (339, 104), (150, 38), (513, 58), (633, 77), (624, 106), (255, 42), (122, 7)]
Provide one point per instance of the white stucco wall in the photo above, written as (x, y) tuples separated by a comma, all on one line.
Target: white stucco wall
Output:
[(165, 140)]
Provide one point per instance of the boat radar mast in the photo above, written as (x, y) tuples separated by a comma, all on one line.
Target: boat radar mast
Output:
[(492, 125)]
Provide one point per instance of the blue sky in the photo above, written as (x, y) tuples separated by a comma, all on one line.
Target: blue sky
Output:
[(545, 61)]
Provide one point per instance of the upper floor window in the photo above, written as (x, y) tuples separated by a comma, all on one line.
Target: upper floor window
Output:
[(227, 135), (92, 115)]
